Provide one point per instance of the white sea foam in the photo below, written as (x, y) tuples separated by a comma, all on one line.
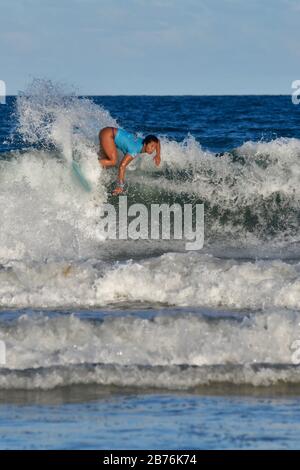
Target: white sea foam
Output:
[(187, 279), (176, 350), (258, 170), (44, 210)]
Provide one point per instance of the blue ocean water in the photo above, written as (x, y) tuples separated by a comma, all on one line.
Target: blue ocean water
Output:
[(146, 344)]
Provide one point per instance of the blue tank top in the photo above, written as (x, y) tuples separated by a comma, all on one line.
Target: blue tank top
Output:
[(128, 143)]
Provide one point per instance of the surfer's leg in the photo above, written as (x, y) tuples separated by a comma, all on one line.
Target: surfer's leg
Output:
[(108, 154)]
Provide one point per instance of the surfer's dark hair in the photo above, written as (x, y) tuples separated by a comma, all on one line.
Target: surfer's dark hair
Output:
[(150, 138)]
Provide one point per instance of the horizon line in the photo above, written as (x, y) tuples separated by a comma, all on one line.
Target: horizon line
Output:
[(183, 95)]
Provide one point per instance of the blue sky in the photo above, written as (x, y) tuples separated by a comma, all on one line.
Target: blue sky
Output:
[(152, 46)]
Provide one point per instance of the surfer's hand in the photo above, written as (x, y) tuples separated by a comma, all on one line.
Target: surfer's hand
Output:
[(117, 191)]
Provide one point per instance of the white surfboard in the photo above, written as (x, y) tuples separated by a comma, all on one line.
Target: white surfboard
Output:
[(80, 176)]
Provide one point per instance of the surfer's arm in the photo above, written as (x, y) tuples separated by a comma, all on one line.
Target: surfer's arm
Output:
[(121, 173), (157, 159)]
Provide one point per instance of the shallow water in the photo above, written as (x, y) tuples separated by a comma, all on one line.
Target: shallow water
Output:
[(113, 419)]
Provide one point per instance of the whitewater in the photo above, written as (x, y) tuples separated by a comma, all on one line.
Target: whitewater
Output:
[(78, 309)]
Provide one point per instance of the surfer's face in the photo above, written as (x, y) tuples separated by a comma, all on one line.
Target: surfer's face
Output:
[(151, 147)]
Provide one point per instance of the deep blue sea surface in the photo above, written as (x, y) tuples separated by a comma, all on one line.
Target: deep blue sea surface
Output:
[(141, 343)]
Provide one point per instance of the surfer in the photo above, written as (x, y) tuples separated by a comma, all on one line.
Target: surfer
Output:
[(111, 139)]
